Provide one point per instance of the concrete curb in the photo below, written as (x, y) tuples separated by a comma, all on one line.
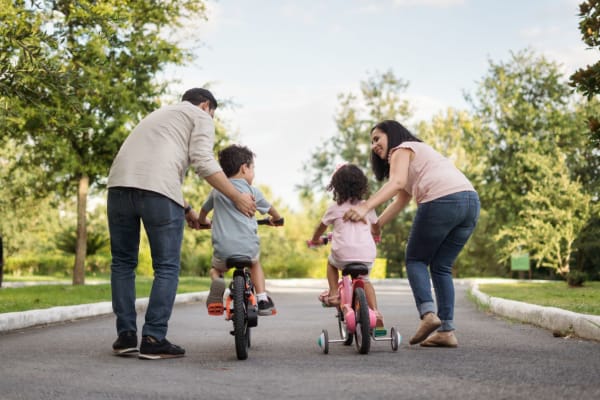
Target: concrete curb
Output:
[(27, 319), (559, 321)]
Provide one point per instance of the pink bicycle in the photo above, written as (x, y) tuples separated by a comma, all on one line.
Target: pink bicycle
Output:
[(356, 321)]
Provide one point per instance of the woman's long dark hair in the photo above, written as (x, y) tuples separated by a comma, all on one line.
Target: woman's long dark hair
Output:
[(396, 135)]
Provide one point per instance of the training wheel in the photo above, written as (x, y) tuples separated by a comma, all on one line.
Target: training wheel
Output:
[(396, 339), (323, 341)]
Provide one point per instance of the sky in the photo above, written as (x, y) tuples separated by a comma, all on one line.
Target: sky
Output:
[(282, 63)]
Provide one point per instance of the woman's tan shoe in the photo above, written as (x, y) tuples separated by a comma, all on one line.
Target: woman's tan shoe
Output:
[(429, 323), (441, 339)]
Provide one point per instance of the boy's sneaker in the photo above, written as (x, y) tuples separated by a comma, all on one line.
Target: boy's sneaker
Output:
[(152, 349), (214, 300), (126, 344), (266, 307)]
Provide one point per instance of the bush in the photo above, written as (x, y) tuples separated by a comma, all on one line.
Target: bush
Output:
[(575, 278), (40, 265)]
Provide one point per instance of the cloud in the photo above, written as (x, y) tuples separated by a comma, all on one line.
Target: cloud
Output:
[(428, 3)]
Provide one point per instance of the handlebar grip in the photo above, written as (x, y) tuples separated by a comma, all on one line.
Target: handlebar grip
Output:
[(265, 221)]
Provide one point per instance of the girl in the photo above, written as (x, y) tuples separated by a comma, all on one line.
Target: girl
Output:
[(351, 242), (448, 209)]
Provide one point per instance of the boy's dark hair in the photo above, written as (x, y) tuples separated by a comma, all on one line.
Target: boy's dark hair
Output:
[(233, 157), (396, 135), (200, 95), (348, 183)]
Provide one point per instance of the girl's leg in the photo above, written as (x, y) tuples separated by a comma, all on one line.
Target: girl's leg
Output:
[(333, 278)]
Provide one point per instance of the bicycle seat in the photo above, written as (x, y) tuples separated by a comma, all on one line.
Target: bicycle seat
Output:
[(355, 269), (238, 262)]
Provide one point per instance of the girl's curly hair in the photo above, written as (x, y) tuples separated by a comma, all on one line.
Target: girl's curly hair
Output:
[(348, 183)]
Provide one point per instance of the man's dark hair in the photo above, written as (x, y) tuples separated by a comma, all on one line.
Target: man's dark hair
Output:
[(200, 95), (233, 157)]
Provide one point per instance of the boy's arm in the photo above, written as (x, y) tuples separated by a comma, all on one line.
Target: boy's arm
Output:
[(274, 214), (202, 217)]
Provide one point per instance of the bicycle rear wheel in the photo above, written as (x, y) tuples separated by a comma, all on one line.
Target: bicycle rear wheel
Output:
[(240, 322), (363, 325)]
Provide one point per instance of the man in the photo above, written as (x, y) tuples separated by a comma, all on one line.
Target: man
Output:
[(144, 184)]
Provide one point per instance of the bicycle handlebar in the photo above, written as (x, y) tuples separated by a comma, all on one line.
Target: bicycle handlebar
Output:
[(266, 221)]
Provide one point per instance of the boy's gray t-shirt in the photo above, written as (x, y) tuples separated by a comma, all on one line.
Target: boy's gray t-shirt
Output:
[(233, 233)]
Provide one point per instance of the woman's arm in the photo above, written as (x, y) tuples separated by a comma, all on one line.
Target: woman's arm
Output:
[(394, 208)]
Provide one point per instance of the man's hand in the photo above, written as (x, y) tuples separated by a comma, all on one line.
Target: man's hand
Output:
[(192, 219), (246, 203)]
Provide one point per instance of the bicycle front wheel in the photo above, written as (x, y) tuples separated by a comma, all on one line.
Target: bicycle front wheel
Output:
[(240, 322)]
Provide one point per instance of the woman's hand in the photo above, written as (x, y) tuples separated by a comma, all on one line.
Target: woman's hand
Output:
[(357, 213)]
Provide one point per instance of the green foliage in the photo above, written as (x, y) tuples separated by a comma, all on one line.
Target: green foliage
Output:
[(78, 75), (576, 278), (35, 264), (381, 97), (556, 212), (67, 241), (587, 80)]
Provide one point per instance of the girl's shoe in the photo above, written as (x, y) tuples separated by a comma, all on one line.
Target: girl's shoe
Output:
[(441, 339), (429, 323), (329, 301)]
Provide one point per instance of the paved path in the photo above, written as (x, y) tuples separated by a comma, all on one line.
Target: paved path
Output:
[(496, 359)]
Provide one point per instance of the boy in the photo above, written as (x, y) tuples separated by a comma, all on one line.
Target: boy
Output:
[(234, 234)]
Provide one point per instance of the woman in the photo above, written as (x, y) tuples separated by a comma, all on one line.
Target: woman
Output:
[(448, 209)]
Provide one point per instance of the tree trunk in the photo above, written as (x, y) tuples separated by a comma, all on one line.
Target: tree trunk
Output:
[(81, 250)]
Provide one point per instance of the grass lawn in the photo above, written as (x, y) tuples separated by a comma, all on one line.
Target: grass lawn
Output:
[(45, 296), (584, 300)]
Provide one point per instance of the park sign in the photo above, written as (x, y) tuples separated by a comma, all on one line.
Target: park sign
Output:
[(519, 262)]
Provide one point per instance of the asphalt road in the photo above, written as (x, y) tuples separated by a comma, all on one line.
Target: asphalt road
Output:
[(496, 359)]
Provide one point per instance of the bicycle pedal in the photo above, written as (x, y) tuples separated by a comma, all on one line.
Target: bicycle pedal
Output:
[(380, 332)]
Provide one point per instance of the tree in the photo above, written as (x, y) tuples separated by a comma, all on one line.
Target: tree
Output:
[(105, 54), (380, 98), (587, 80), (557, 211), (523, 107), (527, 111), (447, 133)]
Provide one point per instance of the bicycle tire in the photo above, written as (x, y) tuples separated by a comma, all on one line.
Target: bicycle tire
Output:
[(346, 336), (363, 325), (240, 322)]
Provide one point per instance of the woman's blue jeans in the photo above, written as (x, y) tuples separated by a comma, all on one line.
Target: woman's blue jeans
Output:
[(439, 232), (163, 221)]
